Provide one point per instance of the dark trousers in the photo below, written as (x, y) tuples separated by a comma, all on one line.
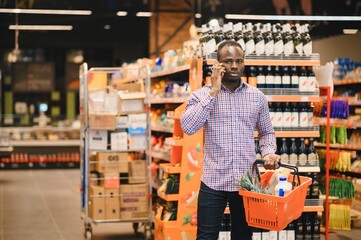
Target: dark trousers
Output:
[(211, 206)]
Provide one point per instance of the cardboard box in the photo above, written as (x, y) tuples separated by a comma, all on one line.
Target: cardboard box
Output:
[(137, 123), (96, 204), (112, 162), (137, 171), (131, 98), (121, 122), (98, 139), (112, 203), (134, 202), (102, 121), (111, 102), (137, 141), (119, 141)]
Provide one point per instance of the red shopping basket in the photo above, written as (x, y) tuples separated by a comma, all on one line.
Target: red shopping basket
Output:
[(272, 212)]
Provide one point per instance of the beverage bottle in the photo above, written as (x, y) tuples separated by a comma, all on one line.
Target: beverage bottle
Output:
[(261, 78), (310, 115), (283, 187), (277, 80), (294, 116), (286, 78), (257, 234), (218, 35), (288, 47), (291, 231), (284, 153), (265, 235), (302, 156), (311, 80), (312, 155), (278, 40), (297, 40), (307, 228), (316, 228), (315, 187), (268, 40), (273, 235), (271, 113), (294, 78), (258, 150), (249, 40), (299, 228), (278, 115), (228, 33), (238, 35), (259, 40), (252, 78), (307, 41), (203, 40), (211, 45), (287, 116), (293, 152), (229, 226), (303, 116), (269, 78), (302, 79), (223, 230)]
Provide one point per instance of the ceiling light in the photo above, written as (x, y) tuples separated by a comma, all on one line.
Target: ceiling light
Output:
[(45, 11), (198, 15), (143, 14), (350, 31), (292, 17), (41, 27), (107, 27), (122, 13)]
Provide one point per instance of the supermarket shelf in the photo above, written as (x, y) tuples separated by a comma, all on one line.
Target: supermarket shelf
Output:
[(349, 174), (6, 149), (168, 100), (346, 81), (160, 128), (292, 134), (170, 71), (313, 205), (300, 169), (262, 60), (37, 128), (158, 155), (174, 142), (48, 165), (169, 168), (292, 98), (335, 122), (112, 151), (168, 197), (46, 143), (340, 146)]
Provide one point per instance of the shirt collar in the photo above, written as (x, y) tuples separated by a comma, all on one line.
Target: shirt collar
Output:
[(239, 88)]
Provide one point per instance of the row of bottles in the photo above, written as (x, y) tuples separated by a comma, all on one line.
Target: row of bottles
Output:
[(24, 157), (291, 114), (301, 78), (313, 191), (307, 227), (292, 153), (260, 39)]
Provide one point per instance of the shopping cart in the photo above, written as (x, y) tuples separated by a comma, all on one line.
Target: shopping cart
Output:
[(272, 212)]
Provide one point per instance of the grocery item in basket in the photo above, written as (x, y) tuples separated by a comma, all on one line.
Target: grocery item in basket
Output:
[(247, 182), (281, 172), (283, 187)]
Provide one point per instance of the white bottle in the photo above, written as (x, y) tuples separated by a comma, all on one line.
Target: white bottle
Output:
[(283, 187)]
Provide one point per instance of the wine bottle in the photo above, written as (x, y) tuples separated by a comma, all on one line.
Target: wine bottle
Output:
[(249, 40), (218, 35), (286, 79), (291, 231), (308, 228), (311, 80), (312, 155), (278, 115), (211, 45), (294, 116), (284, 153), (287, 116), (238, 35), (269, 78), (223, 230), (252, 78), (302, 79), (316, 228), (261, 78), (303, 116), (228, 33), (294, 78), (307, 42), (278, 40), (277, 80), (288, 47), (293, 152), (259, 40), (310, 115), (315, 192), (302, 154), (268, 40), (297, 40), (299, 228)]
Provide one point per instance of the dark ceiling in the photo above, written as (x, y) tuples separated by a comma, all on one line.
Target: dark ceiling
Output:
[(133, 32)]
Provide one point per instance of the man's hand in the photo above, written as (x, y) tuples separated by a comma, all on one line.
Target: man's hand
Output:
[(271, 161), (216, 78)]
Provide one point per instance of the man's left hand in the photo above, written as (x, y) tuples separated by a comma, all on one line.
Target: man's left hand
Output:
[(271, 161)]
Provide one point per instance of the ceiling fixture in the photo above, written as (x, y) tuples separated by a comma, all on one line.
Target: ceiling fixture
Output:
[(122, 13), (143, 14), (292, 17), (349, 31), (45, 11), (41, 27), (107, 27)]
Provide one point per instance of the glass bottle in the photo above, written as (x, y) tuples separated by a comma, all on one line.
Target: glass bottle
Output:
[(259, 40), (249, 40), (238, 35), (297, 40), (311, 80), (278, 115), (307, 41), (315, 193), (277, 80), (312, 155), (228, 33), (218, 35), (302, 79), (284, 153), (294, 116), (308, 228), (288, 47), (278, 40), (294, 78), (316, 228), (269, 78), (293, 152), (261, 78), (268, 40), (286, 79), (252, 78), (287, 117), (299, 228), (303, 116), (291, 231), (302, 154)]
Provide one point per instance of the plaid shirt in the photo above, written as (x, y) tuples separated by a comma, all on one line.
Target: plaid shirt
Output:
[(229, 122)]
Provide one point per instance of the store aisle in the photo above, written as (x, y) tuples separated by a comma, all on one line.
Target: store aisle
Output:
[(45, 205)]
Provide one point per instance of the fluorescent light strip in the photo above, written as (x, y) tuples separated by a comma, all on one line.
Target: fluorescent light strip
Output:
[(292, 17), (45, 11), (122, 13), (143, 14), (350, 31), (41, 27)]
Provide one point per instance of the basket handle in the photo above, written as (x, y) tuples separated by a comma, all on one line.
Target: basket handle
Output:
[(292, 167)]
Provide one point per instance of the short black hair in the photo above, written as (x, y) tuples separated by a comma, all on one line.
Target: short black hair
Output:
[(227, 43)]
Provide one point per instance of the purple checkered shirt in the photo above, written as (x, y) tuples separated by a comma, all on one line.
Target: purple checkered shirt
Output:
[(229, 122)]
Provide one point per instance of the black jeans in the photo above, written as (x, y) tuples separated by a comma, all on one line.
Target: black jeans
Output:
[(211, 206)]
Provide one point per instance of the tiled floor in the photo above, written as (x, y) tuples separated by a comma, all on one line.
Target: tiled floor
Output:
[(45, 205)]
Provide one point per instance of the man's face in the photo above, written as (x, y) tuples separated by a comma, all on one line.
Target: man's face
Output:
[(232, 58)]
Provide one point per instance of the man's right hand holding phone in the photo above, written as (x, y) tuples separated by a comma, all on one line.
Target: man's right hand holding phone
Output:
[(216, 79)]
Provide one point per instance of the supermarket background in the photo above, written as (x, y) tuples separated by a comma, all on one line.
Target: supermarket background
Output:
[(40, 166)]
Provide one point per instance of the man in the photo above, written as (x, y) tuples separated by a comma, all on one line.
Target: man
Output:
[(230, 111)]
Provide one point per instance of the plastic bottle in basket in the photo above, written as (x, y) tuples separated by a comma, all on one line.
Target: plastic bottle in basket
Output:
[(283, 187)]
